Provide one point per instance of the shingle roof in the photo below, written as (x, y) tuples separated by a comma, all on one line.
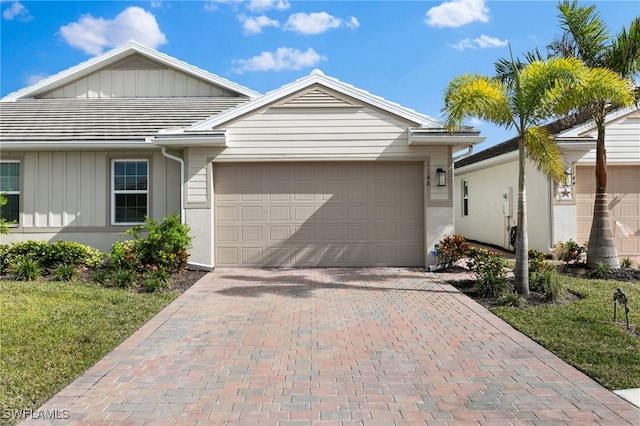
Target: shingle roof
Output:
[(107, 119)]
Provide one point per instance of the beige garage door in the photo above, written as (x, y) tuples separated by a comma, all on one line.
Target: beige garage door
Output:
[(623, 188), (323, 214)]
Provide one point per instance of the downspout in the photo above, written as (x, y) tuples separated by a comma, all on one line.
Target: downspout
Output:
[(181, 161)]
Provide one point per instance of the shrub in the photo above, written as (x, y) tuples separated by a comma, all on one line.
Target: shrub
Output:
[(536, 261), (510, 299), (164, 243), (452, 248), (4, 257), (123, 278), (547, 282), (65, 272), (155, 279), (124, 256), (601, 270), (100, 276), (72, 253), (35, 250), (626, 262), (569, 252), (25, 268), (491, 275)]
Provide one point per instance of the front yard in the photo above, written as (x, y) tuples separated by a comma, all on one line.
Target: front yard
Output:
[(51, 332)]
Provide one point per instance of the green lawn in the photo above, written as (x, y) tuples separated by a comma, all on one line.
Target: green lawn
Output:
[(52, 332), (583, 332)]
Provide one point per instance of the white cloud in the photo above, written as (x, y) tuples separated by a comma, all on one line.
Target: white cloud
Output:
[(92, 35), (34, 78), (262, 5), (317, 23), (156, 4), (215, 4), (284, 58), (457, 13), (482, 42), (17, 11), (255, 24)]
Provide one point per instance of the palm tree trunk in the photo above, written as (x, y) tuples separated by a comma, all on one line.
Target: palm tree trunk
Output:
[(602, 244), (522, 238)]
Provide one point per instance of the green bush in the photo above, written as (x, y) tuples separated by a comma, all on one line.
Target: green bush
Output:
[(547, 282), (452, 248), (72, 253), (124, 256), (35, 250), (569, 252), (626, 262), (24, 268), (162, 244), (536, 261), (65, 272), (155, 280), (4, 257), (123, 278), (100, 276), (490, 272), (510, 299)]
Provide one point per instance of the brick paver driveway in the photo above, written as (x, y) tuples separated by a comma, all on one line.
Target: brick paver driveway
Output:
[(332, 346)]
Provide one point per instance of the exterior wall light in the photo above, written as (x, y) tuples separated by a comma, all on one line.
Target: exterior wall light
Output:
[(441, 177)]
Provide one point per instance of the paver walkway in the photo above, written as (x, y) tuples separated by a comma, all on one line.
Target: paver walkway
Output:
[(375, 346)]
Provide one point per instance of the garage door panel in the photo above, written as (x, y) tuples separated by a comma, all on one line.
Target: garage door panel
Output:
[(623, 188), (327, 214)]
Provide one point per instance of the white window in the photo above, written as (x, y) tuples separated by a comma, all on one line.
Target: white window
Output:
[(10, 188), (465, 198), (130, 191)]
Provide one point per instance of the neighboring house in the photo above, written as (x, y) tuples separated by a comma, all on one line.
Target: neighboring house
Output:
[(316, 173), (486, 204)]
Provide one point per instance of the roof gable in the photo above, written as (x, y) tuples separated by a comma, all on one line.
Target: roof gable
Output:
[(130, 55), (318, 90)]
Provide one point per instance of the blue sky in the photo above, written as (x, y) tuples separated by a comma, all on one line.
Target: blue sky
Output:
[(404, 51)]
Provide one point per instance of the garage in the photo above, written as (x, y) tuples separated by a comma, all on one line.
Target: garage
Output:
[(623, 188), (318, 214)]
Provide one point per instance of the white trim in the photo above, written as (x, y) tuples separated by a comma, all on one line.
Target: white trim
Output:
[(114, 192), (489, 162), (591, 126), (113, 55), (316, 77)]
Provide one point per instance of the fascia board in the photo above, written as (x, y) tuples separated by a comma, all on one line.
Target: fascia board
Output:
[(113, 55), (74, 146), (489, 162), (440, 139), (180, 141), (590, 125), (316, 77)]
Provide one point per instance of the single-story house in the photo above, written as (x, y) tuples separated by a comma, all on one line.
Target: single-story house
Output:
[(487, 188), (315, 173)]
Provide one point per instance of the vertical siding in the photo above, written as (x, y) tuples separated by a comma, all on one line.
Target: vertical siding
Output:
[(71, 189), (118, 83)]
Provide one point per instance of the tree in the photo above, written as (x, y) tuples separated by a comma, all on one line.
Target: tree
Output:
[(525, 102), (587, 38)]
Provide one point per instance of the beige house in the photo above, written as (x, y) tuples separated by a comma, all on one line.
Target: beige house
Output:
[(487, 189), (316, 173)]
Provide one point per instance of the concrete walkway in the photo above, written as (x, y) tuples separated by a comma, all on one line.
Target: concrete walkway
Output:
[(375, 346)]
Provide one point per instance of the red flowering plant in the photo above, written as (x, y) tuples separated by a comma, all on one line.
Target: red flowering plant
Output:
[(569, 252), (451, 249)]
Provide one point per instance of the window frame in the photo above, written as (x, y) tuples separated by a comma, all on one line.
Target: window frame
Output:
[(18, 192), (115, 192), (465, 198)]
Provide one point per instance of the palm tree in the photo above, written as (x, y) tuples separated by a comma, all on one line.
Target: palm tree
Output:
[(587, 38), (525, 102)]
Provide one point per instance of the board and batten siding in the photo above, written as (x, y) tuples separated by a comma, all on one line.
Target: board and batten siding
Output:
[(137, 83), (72, 189)]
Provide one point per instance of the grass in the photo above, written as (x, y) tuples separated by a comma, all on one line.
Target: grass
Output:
[(583, 333), (51, 332)]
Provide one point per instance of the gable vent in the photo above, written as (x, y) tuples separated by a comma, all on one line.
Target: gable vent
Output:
[(136, 62), (318, 98)]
